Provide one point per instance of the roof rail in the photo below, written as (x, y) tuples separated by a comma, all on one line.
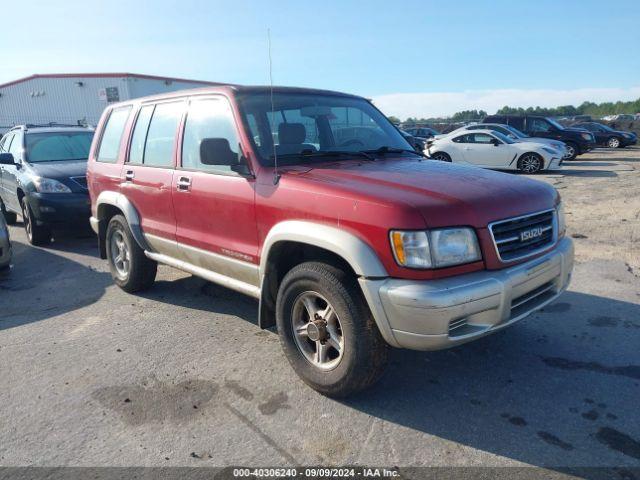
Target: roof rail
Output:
[(53, 124)]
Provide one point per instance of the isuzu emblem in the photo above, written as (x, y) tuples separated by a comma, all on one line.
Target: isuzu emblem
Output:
[(531, 233)]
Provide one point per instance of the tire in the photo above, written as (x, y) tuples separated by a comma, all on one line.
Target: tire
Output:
[(36, 234), (10, 217), (441, 156), (572, 151), (362, 354), (613, 142), (530, 163), (130, 268)]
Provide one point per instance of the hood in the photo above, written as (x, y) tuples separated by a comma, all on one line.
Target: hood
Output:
[(60, 170), (445, 194)]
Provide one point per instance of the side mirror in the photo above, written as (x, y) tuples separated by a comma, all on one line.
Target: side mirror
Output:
[(7, 159), (495, 142), (217, 151)]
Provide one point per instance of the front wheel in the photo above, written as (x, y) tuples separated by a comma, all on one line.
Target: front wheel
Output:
[(327, 331), (530, 163), (441, 156), (36, 234), (130, 268), (572, 151), (613, 142)]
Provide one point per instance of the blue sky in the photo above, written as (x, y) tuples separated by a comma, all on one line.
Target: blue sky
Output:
[(408, 55)]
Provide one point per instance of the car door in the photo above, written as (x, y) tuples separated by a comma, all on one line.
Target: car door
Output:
[(482, 150), (147, 176), (600, 134), (214, 205), (10, 172), (539, 127)]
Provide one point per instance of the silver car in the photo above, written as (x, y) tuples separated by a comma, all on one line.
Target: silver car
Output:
[(5, 246)]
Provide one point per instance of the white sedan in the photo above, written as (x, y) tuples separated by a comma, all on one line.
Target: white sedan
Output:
[(491, 149)]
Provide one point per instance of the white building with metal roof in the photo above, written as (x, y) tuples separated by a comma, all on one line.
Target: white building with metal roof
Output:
[(72, 98)]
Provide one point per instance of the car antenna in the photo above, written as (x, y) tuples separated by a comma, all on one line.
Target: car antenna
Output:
[(276, 175)]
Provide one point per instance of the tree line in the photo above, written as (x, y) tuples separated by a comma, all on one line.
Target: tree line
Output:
[(586, 108)]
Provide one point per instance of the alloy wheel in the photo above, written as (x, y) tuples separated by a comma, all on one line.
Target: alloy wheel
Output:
[(317, 330), (441, 157), (530, 163), (613, 143), (570, 151), (120, 254)]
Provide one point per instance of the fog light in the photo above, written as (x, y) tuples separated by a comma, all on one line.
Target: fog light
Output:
[(45, 209)]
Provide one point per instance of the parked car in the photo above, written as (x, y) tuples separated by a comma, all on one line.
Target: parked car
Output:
[(418, 144), (422, 132), (5, 247), (514, 134), (607, 136), (491, 149), (349, 246), (43, 175), (578, 141)]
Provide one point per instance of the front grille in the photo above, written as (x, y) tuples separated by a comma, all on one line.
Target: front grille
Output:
[(521, 237), (82, 181)]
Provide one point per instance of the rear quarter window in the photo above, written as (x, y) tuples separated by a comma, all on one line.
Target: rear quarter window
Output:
[(112, 135)]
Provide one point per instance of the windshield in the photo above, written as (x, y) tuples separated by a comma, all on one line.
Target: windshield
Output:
[(58, 146), (502, 137), (555, 124), (303, 128), (516, 132)]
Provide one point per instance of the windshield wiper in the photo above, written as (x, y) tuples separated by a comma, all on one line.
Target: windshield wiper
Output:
[(386, 149), (327, 153)]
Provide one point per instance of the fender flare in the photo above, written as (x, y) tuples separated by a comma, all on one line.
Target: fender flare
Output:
[(358, 254), (123, 204), (355, 251)]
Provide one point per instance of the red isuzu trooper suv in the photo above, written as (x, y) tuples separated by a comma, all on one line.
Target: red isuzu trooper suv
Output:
[(313, 202)]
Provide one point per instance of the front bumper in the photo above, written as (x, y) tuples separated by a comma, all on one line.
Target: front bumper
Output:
[(62, 209), (433, 315), (585, 147)]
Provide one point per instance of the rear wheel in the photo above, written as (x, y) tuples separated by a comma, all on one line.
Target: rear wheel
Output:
[(10, 217), (327, 331), (530, 163), (572, 151), (130, 268), (613, 142), (36, 234), (441, 156)]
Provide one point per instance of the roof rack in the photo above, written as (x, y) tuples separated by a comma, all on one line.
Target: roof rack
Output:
[(53, 124)]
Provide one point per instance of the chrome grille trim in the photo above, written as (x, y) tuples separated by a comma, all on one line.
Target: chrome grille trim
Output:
[(515, 225)]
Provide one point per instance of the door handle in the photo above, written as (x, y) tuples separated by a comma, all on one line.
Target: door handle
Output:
[(184, 184), (128, 176)]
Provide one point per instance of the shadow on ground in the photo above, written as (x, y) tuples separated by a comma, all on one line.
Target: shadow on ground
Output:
[(551, 398)]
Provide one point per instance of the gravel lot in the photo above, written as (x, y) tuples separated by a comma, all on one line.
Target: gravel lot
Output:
[(182, 375)]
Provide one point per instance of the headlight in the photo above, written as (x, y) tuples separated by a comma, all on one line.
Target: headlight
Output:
[(550, 150), (435, 248), (49, 185), (586, 136), (562, 225)]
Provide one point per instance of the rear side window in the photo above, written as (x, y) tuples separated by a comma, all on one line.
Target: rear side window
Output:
[(136, 152), (158, 151), (112, 135), (207, 118)]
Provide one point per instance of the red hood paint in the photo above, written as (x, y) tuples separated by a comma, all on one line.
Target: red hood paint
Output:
[(444, 194)]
